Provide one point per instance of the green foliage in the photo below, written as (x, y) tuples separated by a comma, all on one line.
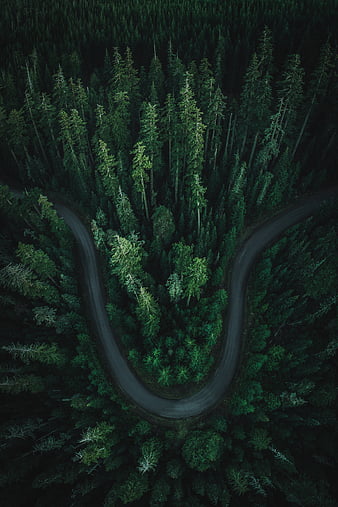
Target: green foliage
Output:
[(238, 480), (125, 213), (133, 488), (22, 383), (163, 225), (126, 258), (169, 165), (151, 452), (107, 168), (260, 439), (148, 312), (140, 174), (196, 277), (174, 469), (42, 352), (37, 260), (160, 492), (202, 449), (98, 441)]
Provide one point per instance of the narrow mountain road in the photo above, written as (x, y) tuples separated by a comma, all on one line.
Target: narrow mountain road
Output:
[(213, 392)]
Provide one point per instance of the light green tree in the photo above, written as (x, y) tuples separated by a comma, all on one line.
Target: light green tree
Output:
[(37, 260), (106, 165), (175, 287), (260, 439), (17, 277), (149, 136), (196, 277), (202, 449), (148, 312), (192, 132), (125, 213), (47, 353), (133, 488), (140, 174), (197, 197), (44, 315), (238, 479), (126, 257), (150, 454)]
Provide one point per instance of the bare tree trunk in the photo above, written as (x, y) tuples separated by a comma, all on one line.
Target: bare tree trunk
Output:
[(243, 143), (233, 135), (228, 137), (176, 181), (36, 131), (306, 119), (253, 149)]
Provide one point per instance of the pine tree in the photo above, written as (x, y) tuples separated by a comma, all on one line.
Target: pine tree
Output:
[(317, 87), (141, 165), (197, 199), (106, 165), (60, 91), (16, 132), (22, 383), (148, 312), (133, 488), (290, 95), (41, 352), (163, 225), (120, 122), (31, 100), (174, 285), (37, 260), (18, 277), (156, 81), (192, 130), (170, 135), (44, 315), (149, 137), (126, 257), (48, 115), (196, 277), (79, 96), (125, 213)]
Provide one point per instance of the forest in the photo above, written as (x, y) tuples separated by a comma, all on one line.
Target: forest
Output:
[(171, 129)]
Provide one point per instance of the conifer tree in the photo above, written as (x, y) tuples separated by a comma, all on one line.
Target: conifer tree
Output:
[(149, 136), (197, 199), (170, 135), (140, 174), (125, 213), (47, 115), (196, 277), (317, 87), (42, 352), (37, 260), (107, 168), (148, 312), (290, 94), (16, 132), (61, 91), (126, 256), (156, 80), (120, 122), (192, 131)]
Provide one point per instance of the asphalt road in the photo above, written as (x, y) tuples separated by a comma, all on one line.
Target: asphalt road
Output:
[(215, 389)]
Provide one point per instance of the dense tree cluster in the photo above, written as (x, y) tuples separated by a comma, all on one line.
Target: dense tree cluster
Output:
[(169, 161)]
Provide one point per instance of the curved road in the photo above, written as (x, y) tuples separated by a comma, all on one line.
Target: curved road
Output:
[(215, 389)]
